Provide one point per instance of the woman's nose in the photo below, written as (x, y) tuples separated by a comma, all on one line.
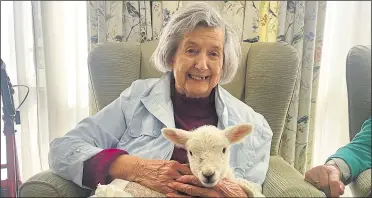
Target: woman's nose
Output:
[(201, 62)]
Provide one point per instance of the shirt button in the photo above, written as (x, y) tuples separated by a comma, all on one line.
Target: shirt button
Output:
[(239, 171)]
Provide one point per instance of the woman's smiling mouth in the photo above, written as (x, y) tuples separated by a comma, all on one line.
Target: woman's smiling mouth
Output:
[(198, 77)]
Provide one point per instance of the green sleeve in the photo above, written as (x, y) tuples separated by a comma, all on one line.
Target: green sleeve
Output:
[(357, 153)]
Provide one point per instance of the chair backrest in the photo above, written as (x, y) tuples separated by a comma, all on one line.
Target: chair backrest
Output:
[(358, 79), (265, 79)]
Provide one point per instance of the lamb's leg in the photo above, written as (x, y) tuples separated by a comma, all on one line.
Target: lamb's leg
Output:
[(249, 188)]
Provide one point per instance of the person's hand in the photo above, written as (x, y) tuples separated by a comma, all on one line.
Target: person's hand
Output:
[(153, 174), (326, 178), (191, 186)]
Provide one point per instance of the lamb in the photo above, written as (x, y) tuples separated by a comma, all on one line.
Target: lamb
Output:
[(208, 153)]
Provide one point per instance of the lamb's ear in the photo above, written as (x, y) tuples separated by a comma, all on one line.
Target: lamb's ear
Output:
[(177, 136), (238, 132)]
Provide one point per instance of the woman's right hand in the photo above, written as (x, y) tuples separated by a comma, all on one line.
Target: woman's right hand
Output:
[(154, 174)]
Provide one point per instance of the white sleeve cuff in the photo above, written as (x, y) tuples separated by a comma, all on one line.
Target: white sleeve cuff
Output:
[(342, 165)]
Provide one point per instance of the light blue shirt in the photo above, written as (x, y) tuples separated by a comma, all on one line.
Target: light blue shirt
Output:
[(133, 122)]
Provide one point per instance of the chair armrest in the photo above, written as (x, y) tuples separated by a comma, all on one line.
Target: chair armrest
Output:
[(48, 184), (282, 180), (362, 184)]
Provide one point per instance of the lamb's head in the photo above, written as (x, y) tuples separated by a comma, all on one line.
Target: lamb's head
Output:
[(208, 149)]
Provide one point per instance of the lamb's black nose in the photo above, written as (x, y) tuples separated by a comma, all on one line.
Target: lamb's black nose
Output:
[(208, 176)]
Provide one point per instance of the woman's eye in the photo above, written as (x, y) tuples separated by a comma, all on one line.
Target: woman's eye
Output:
[(214, 54), (223, 150), (191, 51), (190, 153)]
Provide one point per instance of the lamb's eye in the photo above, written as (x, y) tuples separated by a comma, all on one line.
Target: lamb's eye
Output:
[(223, 150), (190, 153)]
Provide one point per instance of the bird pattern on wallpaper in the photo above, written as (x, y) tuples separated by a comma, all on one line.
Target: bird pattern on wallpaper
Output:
[(140, 21)]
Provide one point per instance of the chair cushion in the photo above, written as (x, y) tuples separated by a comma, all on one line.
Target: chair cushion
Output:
[(48, 184), (272, 70), (147, 67), (362, 185), (236, 87), (112, 68), (358, 79)]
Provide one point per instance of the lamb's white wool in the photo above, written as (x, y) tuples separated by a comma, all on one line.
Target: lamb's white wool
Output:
[(210, 154), (208, 149)]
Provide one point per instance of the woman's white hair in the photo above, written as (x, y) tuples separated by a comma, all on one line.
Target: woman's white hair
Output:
[(186, 20)]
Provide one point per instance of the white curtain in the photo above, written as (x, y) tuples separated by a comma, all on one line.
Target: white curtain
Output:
[(44, 45), (347, 24)]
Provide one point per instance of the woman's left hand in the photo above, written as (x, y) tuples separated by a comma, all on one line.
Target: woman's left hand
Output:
[(191, 186)]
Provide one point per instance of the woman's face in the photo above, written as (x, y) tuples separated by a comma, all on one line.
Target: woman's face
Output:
[(198, 61)]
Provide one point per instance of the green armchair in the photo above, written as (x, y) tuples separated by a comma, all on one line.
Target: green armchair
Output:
[(358, 80), (265, 81)]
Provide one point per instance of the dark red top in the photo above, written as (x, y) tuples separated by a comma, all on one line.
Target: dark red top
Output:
[(189, 113)]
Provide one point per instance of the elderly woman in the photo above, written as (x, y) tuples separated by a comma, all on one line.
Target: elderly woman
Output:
[(197, 52)]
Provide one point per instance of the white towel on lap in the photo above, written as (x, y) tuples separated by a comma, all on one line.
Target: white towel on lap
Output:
[(114, 189), (123, 188)]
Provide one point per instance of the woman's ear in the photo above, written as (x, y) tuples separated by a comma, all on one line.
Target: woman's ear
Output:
[(171, 62)]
